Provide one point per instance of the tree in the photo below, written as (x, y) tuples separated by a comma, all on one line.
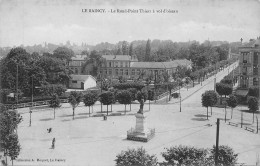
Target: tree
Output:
[(150, 96), (253, 105), (52, 89), (84, 52), (90, 99), (253, 91), (226, 155), (13, 147), (124, 97), (135, 157), (133, 92), (209, 98), (141, 95), (148, 50), (131, 50), (223, 89), (63, 53), (185, 155), (55, 103), (74, 100), (194, 76), (125, 48), (9, 120), (19, 66), (232, 102), (107, 98)]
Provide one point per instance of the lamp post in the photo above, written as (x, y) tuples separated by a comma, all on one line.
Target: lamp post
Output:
[(167, 83), (16, 84), (180, 95)]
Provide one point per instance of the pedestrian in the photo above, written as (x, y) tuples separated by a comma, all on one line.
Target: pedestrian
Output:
[(53, 143)]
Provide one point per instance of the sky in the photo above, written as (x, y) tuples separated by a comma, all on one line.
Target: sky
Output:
[(30, 22)]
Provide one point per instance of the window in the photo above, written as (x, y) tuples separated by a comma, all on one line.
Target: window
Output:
[(110, 64), (126, 64), (105, 71), (76, 70), (245, 57), (74, 82), (244, 70), (255, 70), (110, 71), (255, 82), (121, 64), (133, 72), (126, 72), (138, 72), (116, 72), (121, 71), (255, 58)]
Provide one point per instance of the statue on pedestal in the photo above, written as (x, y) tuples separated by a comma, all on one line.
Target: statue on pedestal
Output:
[(141, 106)]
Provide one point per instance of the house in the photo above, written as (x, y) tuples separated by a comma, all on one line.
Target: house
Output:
[(82, 82), (76, 64), (249, 65)]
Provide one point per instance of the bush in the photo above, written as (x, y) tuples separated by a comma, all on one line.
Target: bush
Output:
[(52, 89), (185, 155), (127, 85), (133, 157), (253, 91), (226, 155), (141, 95)]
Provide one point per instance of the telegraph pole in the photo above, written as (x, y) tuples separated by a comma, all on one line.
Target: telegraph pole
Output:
[(217, 141)]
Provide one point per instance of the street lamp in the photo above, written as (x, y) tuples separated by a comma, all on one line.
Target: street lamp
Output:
[(215, 79), (180, 95), (167, 82)]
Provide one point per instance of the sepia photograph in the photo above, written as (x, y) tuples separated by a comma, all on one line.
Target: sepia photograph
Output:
[(129, 82)]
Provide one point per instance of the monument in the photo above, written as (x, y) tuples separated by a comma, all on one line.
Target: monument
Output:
[(140, 132)]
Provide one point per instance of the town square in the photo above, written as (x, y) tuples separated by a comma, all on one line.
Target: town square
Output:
[(176, 85)]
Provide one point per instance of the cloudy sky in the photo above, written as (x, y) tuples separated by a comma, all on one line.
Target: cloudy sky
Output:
[(30, 22)]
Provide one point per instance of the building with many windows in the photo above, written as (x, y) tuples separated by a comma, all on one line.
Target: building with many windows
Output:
[(249, 65), (76, 64), (129, 67)]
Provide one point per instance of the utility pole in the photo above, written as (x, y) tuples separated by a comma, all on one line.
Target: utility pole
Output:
[(256, 124), (217, 141), (180, 95), (16, 85), (241, 119), (225, 113)]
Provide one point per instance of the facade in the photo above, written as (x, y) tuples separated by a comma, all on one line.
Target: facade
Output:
[(125, 66), (249, 65), (82, 82), (76, 64)]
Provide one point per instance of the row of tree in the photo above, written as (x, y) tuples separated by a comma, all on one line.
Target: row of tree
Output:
[(9, 121), (23, 71), (107, 98), (178, 155)]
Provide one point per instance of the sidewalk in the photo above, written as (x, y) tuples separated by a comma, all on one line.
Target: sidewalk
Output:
[(187, 93)]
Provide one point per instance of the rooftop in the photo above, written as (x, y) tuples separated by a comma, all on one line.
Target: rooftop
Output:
[(161, 65), (79, 57), (118, 57), (81, 77)]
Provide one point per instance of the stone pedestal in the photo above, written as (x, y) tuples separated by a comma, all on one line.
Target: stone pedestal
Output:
[(140, 126), (140, 132)]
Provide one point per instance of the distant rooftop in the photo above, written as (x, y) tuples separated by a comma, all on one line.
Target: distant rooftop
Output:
[(119, 57), (79, 57), (161, 65)]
